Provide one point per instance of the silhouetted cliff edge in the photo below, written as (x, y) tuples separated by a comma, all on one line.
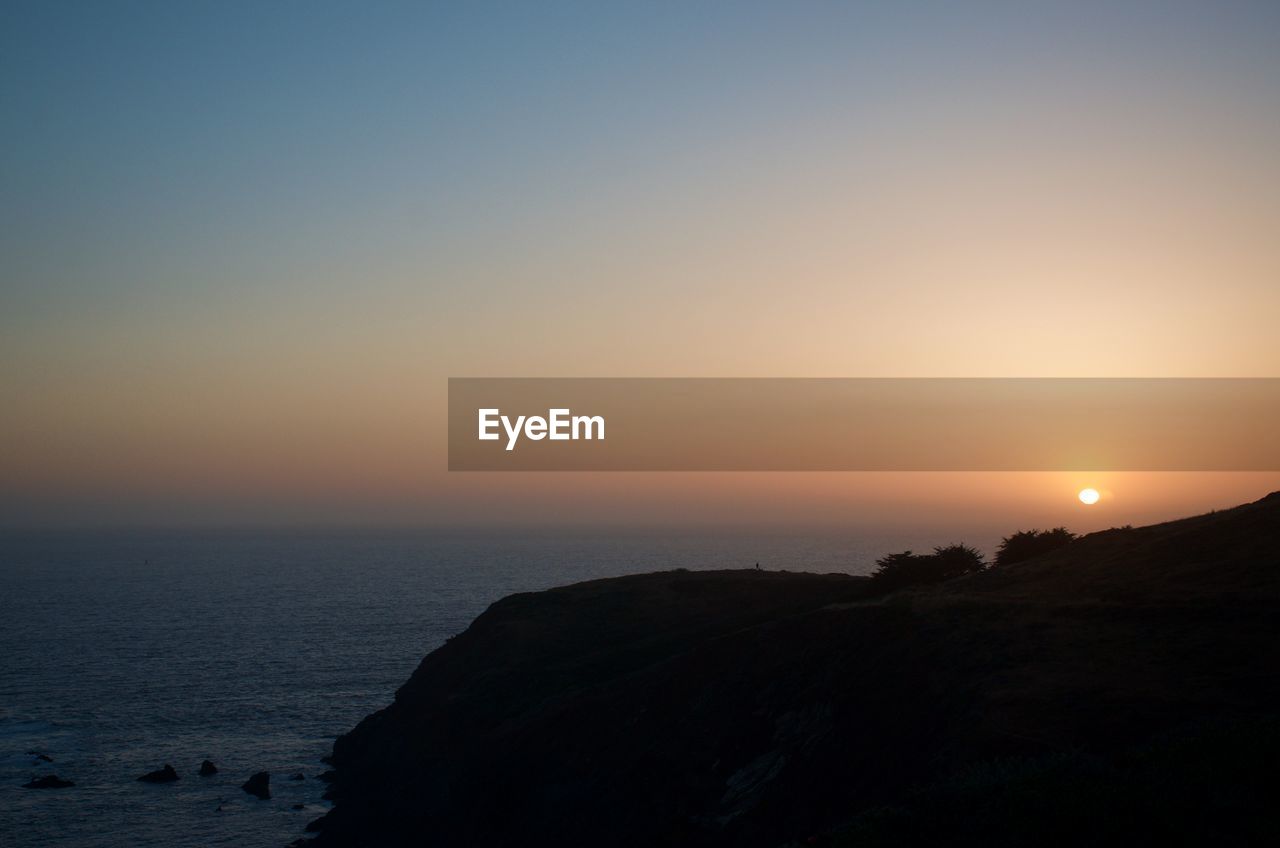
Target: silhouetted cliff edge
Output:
[(1124, 687)]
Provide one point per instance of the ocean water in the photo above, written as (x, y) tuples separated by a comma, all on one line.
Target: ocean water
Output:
[(123, 651)]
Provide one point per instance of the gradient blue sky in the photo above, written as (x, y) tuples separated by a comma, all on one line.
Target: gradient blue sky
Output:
[(244, 244)]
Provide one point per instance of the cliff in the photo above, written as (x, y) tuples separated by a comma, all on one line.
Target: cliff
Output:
[(1123, 687)]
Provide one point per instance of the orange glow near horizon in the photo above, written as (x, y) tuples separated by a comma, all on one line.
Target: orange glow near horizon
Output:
[(240, 303)]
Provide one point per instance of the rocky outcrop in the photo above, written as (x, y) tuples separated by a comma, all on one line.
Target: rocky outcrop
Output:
[(164, 775), (762, 709), (49, 781), (208, 769), (259, 785)]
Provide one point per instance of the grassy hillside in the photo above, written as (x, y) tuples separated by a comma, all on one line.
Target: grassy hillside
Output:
[(1121, 687)]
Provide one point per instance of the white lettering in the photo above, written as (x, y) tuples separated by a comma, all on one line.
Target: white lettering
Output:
[(487, 421), (513, 433), (587, 421), (559, 425)]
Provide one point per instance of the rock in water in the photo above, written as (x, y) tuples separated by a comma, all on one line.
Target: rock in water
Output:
[(299, 776), (49, 781), (259, 785), (164, 775), (207, 768)]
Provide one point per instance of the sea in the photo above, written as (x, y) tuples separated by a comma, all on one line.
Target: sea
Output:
[(121, 651)]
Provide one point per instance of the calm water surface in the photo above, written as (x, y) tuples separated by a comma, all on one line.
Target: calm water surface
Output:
[(120, 652)]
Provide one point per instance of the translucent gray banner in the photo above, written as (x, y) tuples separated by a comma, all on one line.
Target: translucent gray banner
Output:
[(766, 424)]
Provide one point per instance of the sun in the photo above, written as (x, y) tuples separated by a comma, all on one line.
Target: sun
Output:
[(1089, 497)]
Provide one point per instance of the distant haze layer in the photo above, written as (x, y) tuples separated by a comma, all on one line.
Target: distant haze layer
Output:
[(244, 247)]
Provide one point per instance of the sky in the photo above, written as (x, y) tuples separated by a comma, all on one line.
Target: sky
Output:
[(243, 246)]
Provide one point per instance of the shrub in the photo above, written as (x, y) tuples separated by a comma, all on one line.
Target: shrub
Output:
[(907, 569), (1026, 544)]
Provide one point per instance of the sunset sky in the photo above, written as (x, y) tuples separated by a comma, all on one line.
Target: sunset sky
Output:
[(245, 245)]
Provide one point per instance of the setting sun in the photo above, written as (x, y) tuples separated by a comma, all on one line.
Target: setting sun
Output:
[(1088, 497)]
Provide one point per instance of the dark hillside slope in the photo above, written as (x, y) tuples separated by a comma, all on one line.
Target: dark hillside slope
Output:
[(739, 708), (1225, 554)]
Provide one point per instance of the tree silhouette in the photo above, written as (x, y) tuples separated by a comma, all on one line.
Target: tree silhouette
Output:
[(1026, 544), (907, 569)]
